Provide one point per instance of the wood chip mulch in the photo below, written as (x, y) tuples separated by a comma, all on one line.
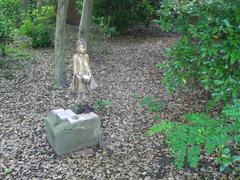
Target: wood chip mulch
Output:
[(125, 67)]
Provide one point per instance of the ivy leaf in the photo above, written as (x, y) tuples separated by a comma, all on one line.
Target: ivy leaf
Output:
[(223, 167), (235, 158), (218, 82), (8, 171), (233, 59), (226, 23), (226, 151)]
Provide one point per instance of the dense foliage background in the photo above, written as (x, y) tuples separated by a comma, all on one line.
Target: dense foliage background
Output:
[(37, 20), (23, 26), (32, 23), (122, 13), (208, 51), (114, 17), (207, 54)]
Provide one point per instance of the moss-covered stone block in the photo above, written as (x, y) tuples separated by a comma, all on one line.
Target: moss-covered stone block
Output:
[(66, 137)]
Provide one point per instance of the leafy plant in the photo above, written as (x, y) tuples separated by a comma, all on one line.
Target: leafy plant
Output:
[(150, 104), (208, 50), (113, 17), (102, 104), (39, 25), (4, 31), (79, 4), (103, 24), (16, 59), (19, 40), (201, 133), (9, 19), (226, 159), (122, 13), (11, 10), (7, 171)]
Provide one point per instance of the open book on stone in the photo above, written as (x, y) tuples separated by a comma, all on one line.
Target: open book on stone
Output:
[(72, 117)]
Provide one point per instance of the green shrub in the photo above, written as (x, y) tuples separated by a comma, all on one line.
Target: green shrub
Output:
[(79, 5), (113, 17), (150, 104), (39, 25), (9, 19), (122, 13), (103, 25), (15, 58), (201, 133), (208, 51), (11, 10), (102, 104), (4, 33)]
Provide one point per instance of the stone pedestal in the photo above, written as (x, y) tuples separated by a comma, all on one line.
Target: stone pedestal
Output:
[(68, 134)]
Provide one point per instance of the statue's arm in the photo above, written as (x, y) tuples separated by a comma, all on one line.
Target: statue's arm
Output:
[(77, 66), (87, 65)]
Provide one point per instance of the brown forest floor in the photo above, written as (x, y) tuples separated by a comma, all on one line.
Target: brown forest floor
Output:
[(122, 67)]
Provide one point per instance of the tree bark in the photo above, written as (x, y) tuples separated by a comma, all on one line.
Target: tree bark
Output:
[(59, 81), (85, 20)]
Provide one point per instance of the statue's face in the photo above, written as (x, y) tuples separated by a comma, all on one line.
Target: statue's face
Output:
[(82, 47)]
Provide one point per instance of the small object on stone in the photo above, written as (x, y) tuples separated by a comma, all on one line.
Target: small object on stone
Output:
[(8, 171), (87, 108), (81, 117), (86, 79), (63, 114), (77, 108)]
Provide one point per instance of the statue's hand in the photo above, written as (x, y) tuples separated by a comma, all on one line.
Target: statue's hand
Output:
[(86, 79), (78, 76)]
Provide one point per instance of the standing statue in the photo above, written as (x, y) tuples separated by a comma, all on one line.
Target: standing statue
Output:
[(83, 80)]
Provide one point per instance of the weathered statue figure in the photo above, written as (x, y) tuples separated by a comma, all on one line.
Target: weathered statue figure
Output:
[(83, 80)]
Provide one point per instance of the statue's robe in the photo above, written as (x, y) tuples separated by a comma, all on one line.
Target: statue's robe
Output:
[(81, 70)]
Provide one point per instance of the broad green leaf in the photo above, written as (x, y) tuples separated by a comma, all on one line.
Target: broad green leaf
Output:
[(8, 171), (226, 151), (235, 158), (223, 167)]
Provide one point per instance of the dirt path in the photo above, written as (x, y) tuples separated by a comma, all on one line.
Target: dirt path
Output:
[(127, 68)]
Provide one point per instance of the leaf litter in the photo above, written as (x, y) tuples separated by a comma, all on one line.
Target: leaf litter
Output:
[(127, 67)]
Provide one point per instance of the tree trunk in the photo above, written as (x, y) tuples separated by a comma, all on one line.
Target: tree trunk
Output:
[(59, 81), (85, 20)]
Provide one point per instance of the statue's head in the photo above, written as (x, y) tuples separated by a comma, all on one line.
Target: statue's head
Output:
[(81, 46)]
